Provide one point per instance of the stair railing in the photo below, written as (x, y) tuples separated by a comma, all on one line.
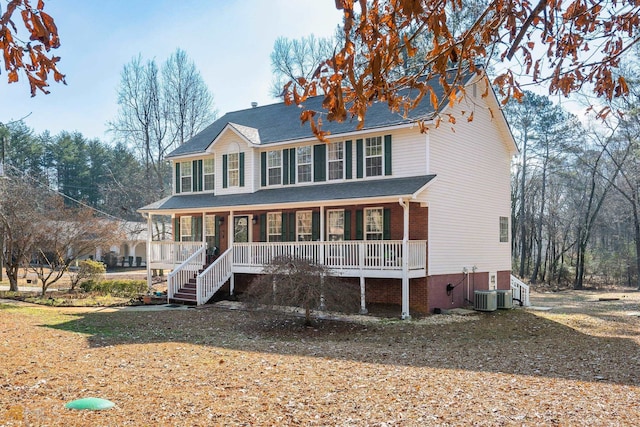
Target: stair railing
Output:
[(213, 277), (520, 291), (185, 271)]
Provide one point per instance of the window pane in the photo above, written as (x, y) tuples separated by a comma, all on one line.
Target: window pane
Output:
[(304, 164), (274, 227), (210, 225), (373, 224), (233, 166), (373, 156), (336, 225), (336, 163), (303, 225)]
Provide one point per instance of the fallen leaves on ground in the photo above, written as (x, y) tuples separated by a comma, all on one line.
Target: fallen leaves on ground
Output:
[(204, 367)]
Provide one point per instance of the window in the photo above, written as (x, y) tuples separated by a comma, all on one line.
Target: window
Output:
[(373, 224), (335, 225), (336, 160), (303, 226), (234, 169), (185, 176), (304, 163), (504, 229), (274, 227), (185, 229), (274, 167), (373, 156), (208, 173)]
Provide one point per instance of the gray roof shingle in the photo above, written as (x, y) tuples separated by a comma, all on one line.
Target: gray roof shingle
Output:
[(279, 122), (296, 194)]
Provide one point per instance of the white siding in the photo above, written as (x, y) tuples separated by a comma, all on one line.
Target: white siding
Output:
[(470, 194), (408, 155), (230, 142)]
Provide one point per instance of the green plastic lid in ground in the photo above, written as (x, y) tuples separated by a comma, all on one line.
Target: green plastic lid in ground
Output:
[(90, 403)]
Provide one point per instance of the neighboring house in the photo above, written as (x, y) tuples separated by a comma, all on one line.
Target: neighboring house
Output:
[(130, 250), (416, 219)]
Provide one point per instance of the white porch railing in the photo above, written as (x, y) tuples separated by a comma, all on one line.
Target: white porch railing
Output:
[(187, 270), (378, 255), (520, 291), (210, 280), (172, 252)]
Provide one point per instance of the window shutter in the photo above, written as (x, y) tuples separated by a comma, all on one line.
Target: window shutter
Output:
[(387, 154), (359, 159), (319, 162), (285, 166), (359, 228), (263, 227), (200, 175), (176, 229), (386, 224), (292, 166), (292, 226), (315, 226), (284, 226), (263, 169), (348, 156), (194, 175), (241, 172), (347, 225), (177, 177), (225, 178)]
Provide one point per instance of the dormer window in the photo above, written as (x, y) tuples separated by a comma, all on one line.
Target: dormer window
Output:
[(234, 169)]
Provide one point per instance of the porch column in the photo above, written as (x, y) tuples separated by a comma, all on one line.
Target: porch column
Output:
[(231, 236), (148, 250), (405, 260), (322, 260), (363, 301)]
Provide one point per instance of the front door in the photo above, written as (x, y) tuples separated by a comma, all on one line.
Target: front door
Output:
[(241, 229)]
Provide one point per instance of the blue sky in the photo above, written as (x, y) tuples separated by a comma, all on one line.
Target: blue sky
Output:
[(229, 41)]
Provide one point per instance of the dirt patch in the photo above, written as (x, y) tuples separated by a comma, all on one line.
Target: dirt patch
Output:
[(217, 366)]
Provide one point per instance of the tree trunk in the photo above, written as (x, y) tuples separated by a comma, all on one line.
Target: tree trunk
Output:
[(523, 223)]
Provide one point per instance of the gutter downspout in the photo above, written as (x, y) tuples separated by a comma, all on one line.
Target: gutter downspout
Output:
[(405, 260)]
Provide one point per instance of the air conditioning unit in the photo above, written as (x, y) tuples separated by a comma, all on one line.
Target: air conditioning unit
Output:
[(485, 301), (505, 299)]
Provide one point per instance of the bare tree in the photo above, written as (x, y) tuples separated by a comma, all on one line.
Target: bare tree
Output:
[(66, 235), (298, 282), (189, 101)]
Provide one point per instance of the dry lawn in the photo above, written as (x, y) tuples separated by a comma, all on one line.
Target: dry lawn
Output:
[(574, 365)]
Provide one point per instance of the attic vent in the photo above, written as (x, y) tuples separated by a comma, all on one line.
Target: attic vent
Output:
[(254, 104)]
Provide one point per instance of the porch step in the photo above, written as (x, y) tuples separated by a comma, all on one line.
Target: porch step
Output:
[(187, 292)]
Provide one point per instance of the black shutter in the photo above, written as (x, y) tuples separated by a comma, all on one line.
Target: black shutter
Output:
[(359, 226), (241, 160), (194, 175), (263, 169), (387, 154), (285, 166), (177, 177), (315, 226), (386, 224), (292, 226), (347, 225), (359, 159), (292, 166), (176, 229), (224, 171), (319, 162)]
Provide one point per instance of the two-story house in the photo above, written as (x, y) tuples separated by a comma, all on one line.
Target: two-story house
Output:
[(416, 219)]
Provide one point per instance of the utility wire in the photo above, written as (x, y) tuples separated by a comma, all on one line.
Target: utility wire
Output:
[(48, 188)]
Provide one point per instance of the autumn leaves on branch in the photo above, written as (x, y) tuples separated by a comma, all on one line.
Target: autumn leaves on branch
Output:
[(29, 56), (564, 44)]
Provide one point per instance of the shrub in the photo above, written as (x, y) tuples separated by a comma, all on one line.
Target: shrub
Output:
[(119, 288), (87, 269)]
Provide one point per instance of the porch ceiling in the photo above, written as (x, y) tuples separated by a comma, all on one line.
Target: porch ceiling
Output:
[(295, 195)]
